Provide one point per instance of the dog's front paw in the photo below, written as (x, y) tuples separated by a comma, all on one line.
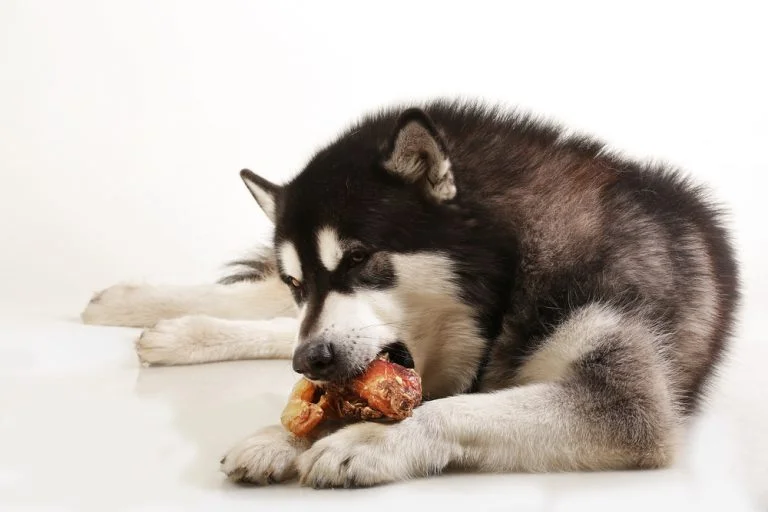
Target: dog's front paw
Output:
[(267, 457), (117, 306), (367, 454), (176, 341)]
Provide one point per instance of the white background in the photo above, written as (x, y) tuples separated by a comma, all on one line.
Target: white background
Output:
[(123, 124)]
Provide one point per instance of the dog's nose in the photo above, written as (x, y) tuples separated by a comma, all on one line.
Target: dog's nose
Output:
[(314, 359)]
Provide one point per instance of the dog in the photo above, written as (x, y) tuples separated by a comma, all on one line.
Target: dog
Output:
[(564, 305)]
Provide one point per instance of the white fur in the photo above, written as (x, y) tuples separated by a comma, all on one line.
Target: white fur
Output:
[(202, 339), (532, 427), (520, 429), (356, 320), (444, 187), (574, 338), (539, 426), (302, 313), (424, 310), (268, 456), (265, 199), (436, 325), (329, 248), (358, 312), (144, 305), (289, 260)]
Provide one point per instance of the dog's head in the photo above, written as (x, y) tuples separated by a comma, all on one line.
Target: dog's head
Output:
[(358, 236)]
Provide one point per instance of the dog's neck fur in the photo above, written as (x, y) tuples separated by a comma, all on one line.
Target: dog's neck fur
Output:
[(456, 300)]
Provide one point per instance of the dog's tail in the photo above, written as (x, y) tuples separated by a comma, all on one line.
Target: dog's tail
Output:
[(258, 265)]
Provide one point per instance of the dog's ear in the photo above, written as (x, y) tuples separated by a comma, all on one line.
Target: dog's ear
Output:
[(418, 154), (265, 192)]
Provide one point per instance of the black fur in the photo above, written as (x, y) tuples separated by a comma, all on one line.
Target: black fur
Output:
[(541, 225), (257, 266)]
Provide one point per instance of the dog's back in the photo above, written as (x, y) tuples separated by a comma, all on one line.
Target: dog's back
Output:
[(580, 225), (585, 225)]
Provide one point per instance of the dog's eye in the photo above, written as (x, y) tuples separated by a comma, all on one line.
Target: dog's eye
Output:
[(357, 256), (292, 281)]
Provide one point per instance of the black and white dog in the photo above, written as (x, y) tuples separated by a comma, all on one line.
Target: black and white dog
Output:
[(564, 306)]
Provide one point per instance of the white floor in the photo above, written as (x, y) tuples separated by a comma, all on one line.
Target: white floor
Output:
[(124, 125), (84, 427)]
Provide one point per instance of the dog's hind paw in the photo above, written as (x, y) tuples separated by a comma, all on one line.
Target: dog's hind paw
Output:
[(267, 457)]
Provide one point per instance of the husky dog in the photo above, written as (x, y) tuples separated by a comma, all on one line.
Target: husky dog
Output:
[(565, 306)]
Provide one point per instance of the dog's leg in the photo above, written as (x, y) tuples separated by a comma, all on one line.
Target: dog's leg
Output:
[(596, 397), (145, 305), (204, 339), (269, 456)]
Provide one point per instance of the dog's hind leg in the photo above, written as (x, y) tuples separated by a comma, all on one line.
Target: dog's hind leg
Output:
[(204, 339), (145, 305)]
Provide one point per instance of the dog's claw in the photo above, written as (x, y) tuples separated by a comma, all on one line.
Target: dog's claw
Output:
[(238, 474)]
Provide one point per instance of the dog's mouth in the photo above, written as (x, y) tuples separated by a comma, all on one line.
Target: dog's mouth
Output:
[(398, 353)]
